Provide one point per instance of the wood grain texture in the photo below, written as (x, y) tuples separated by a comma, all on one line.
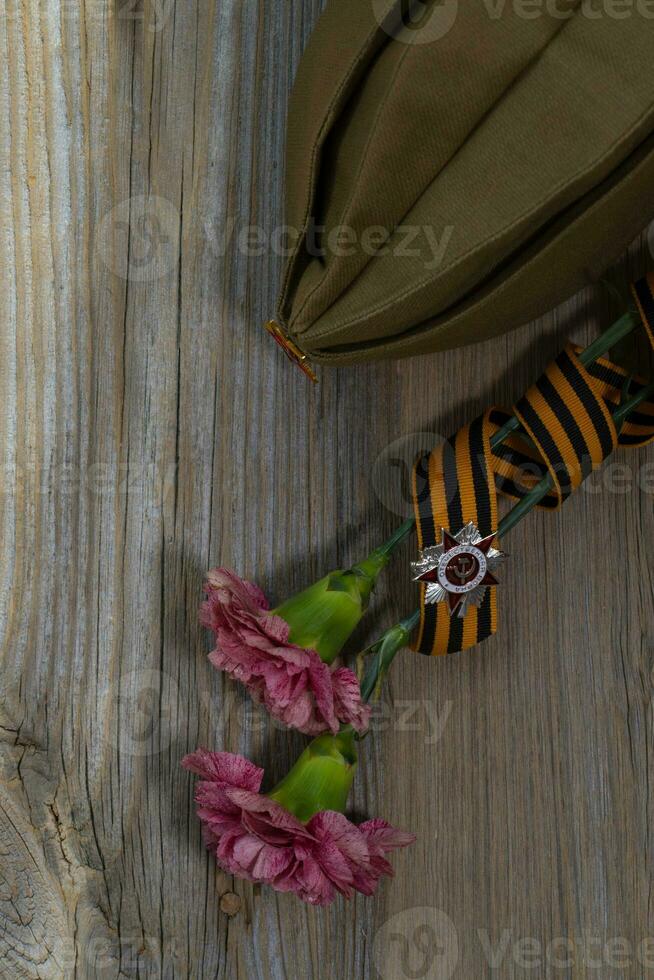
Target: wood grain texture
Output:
[(149, 430)]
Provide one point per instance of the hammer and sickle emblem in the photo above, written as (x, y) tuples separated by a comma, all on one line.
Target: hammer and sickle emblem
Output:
[(463, 567)]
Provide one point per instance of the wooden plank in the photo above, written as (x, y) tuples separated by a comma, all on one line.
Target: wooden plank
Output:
[(151, 430)]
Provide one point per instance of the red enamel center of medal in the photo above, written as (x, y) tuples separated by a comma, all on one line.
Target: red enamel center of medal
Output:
[(462, 567)]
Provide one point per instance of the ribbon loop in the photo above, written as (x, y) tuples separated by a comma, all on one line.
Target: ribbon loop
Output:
[(568, 420)]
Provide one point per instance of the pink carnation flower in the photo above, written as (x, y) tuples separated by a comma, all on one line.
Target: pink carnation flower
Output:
[(255, 838), (252, 646)]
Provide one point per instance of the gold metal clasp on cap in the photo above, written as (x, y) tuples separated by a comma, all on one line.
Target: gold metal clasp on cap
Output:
[(291, 350)]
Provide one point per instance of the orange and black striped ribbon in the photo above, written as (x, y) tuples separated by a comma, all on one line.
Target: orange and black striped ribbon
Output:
[(568, 431)]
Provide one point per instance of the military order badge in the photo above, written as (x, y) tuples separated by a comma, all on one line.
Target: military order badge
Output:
[(459, 569)]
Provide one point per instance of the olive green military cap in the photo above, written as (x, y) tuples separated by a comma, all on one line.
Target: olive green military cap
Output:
[(457, 168)]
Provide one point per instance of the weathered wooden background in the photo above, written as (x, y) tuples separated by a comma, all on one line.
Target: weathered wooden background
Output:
[(149, 430)]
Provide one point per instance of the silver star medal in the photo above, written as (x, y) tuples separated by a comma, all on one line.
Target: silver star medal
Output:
[(459, 569)]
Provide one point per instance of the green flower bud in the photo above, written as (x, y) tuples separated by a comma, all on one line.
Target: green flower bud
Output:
[(324, 616), (384, 651), (321, 778)]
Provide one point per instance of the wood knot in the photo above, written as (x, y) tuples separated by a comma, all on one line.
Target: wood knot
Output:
[(230, 904)]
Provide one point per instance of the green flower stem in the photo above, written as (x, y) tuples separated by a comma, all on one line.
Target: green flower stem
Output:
[(396, 539), (321, 778), (626, 407)]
